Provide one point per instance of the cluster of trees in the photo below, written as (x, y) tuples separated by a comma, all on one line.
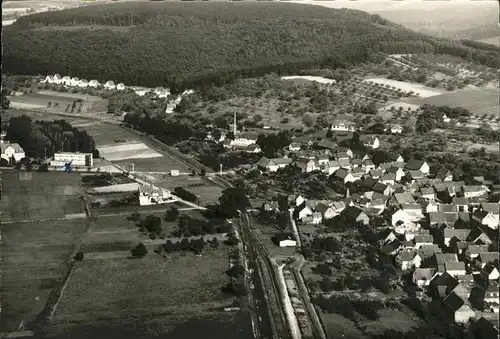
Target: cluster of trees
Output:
[(167, 131), (42, 139), (231, 201), (185, 194), (195, 245), (188, 226), (151, 224), (257, 39), (139, 251), (280, 219), (466, 169), (272, 143)]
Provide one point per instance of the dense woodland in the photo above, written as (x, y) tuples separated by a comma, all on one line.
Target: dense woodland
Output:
[(194, 44), (42, 139)]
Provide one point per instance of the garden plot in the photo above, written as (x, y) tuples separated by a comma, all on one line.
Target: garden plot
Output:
[(423, 91), (127, 151)]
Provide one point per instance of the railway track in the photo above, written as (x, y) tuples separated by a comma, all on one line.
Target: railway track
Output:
[(279, 324)]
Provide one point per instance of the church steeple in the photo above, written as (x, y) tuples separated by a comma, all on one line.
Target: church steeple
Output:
[(234, 124)]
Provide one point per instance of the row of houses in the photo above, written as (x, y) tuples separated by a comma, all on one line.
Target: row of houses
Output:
[(159, 92)]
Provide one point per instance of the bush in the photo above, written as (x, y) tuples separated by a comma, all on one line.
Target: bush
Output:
[(185, 195), (79, 256), (139, 251)]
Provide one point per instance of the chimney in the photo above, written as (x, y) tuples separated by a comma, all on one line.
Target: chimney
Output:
[(234, 124), (347, 193)]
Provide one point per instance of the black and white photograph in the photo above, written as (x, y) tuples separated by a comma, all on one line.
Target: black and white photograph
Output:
[(250, 169)]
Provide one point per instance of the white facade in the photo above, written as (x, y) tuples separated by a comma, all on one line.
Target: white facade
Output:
[(120, 87), (152, 195), (342, 126), (94, 83), (9, 150), (242, 141), (110, 85), (83, 83), (76, 159), (288, 243)]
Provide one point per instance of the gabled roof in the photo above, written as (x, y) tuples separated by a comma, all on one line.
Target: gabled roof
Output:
[(454, 266), (379, 187), (491, 207), (443, 173), (341, 173), (447, 208), (325, 143), (376, 173), (322, 207), (388, 176), (427, 191), (460, 234), (460, 201), (480, 214), (414, 164), (352, 212), (405, 255), (404, 198), (487, 257), (488, 269), (424, 238), (411, 207), (17, 148), (473, 189), (424, 273), (416, 174), (477, 249), (453, 301), (442, 258), (393, 169), (284, 236)]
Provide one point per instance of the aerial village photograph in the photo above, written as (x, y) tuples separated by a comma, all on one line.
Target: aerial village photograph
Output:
[(250, 169)]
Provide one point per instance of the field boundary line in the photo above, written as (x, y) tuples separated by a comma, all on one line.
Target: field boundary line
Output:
[(61, 293)]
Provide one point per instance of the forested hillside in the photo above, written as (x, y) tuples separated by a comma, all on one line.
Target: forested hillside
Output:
[(188, 44)]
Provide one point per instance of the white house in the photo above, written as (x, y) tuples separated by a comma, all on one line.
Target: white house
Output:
[(49, 79), (446, 119), (141, 91), (75, 81), (120, 86), (474, 191), (11, 150), (306, 165), (66, 80), (345, 126), (294, 147), (396, 129), (423, 276), (285, 240), (305, 211), (400, 217), (417, 165), (486, 218), (83, 83), (490, 272), (76, 159), (332, 166), (370, 141), (161, 92), (243, 140), (94, 83), (57, 79), (110, 85), (152, 195), (274, 164)]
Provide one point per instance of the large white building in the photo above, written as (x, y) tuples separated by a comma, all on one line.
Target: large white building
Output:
[(76, 159), (152, 195)]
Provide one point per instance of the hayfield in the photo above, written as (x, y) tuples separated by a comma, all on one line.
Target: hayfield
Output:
[(38, 195), (479, 101), (57, 102), (422, 90), (33, 255), (182, 284)]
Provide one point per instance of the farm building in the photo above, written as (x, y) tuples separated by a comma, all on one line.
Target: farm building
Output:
[(110, 85), (76, 159), (285, 240), (120, 86), (343, 126), (12, 150), (152, 195)]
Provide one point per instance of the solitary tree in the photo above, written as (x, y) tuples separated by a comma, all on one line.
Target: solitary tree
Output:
[(172, 214), (139, 251)]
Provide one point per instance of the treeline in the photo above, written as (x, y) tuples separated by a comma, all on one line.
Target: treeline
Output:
[(168, 132), (41, 139), (193, 45)]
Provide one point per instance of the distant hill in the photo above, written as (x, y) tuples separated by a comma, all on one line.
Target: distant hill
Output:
[(457, 19), (180, 44)]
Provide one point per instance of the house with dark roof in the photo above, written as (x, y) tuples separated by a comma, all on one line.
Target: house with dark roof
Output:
[(461, 203), (370, 141), (485, 218), (382, 188), (344, 175), (490, 272), (423, 276), (444, 175), (458, 308), (417, 165), (486, 257), (407, 259), (478, 237), (354, 215), (307, 165), (460, 234), (273, 164), (473, 251), (327, 144), (428, 193)]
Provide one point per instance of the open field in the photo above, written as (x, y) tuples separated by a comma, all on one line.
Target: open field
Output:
[(38, 195), (57, 102), (125, 151), (423, 91), (184, 285), (479, 101), (33, 255)]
